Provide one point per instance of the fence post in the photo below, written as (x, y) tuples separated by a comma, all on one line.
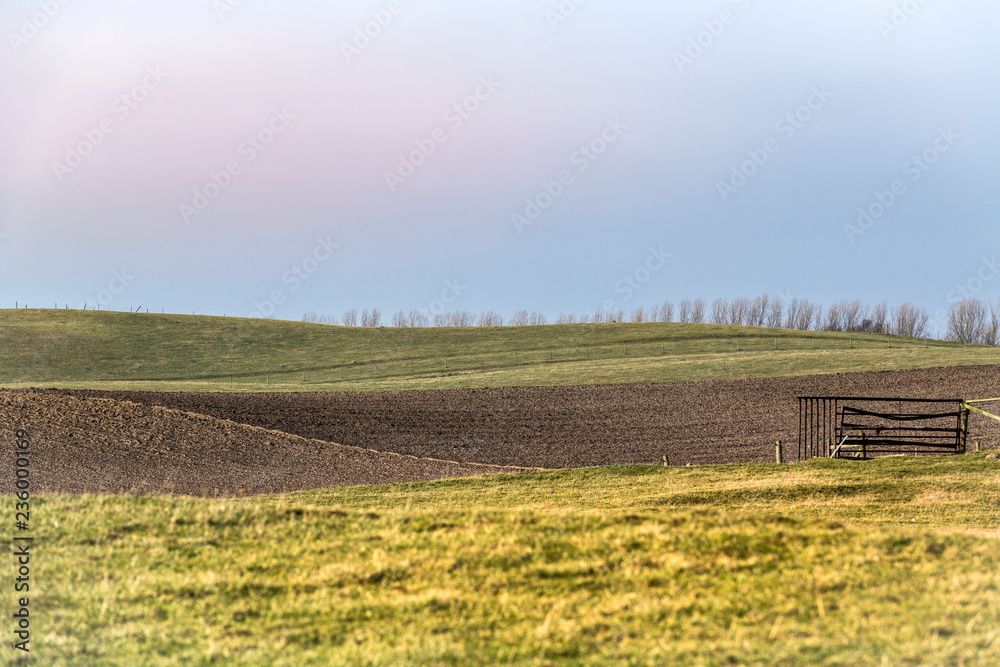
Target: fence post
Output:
[(777, 451), (965, 427)]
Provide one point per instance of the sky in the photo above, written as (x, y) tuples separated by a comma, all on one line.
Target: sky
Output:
[(255, 158)]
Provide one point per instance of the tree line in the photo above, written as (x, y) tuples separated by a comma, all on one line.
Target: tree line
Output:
[(970, 321)]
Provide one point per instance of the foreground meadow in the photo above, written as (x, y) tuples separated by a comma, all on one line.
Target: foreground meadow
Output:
[(895, 561)]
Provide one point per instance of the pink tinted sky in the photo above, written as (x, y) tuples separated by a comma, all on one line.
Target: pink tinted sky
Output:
[(559, 83)]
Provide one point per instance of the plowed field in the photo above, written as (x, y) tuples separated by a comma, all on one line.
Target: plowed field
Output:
[(96, 445), (204, 444)]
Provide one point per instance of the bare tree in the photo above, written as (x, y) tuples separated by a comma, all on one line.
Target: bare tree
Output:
[(639, 314), (585, 318), (835, 317), (350, 317), (537, 319), (399, 319), (600, 316), (685, 311), (774, 314), (566, 319), (462, 318), (792, 313), (490, 318), (853, 313), (909, 321), (967, 322), (757, 311), (520, 319), (698, 311), (880, 318), (617, 315), (803, 312), (666, 312), (993, 330), (418, 319), (311, 317), (371, 318), (720, 311), (739, 311)]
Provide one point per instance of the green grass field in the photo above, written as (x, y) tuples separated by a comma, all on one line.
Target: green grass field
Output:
[(888, 562), (107, 350), (891, 562)]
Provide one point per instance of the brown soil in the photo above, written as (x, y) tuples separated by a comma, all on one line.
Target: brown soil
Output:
[(97, 445), (141, 445)]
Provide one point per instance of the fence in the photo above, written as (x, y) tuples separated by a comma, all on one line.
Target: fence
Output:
[(865, 427)]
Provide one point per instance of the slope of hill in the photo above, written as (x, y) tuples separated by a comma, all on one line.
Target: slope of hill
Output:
[(111, 350)]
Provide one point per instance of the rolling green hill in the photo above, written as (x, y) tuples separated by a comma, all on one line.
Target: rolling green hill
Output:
[(108, 350)]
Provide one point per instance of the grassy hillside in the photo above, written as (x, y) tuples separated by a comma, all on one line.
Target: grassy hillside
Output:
[(894, 561), (182, 352)]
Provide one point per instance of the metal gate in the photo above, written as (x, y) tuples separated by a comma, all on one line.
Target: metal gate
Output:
[(866, 427)]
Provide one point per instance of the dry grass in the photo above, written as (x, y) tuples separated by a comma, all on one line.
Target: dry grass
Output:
[(816, 563)]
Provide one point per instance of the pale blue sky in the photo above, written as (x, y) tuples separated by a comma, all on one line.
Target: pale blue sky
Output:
[(871, 91)]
